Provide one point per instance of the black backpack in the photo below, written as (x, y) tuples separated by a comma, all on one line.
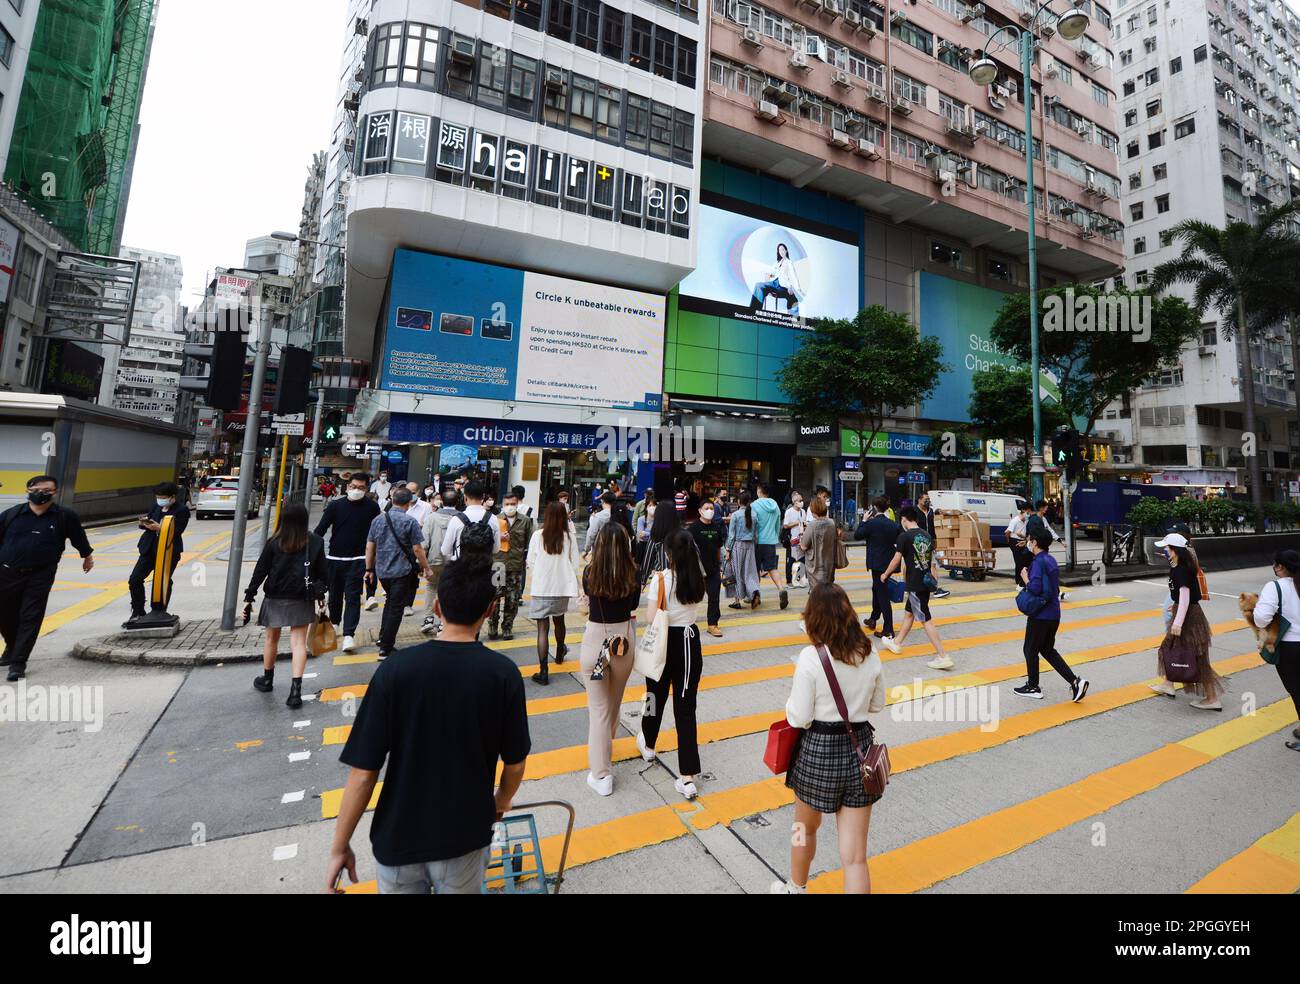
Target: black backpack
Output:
[(477, 537)]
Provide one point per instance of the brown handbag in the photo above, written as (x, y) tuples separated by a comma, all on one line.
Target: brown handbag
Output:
[(874, 762)]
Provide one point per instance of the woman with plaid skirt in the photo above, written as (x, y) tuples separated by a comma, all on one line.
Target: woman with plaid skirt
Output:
[(826, 776)]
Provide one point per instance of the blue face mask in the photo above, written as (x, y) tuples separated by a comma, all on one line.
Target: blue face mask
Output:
[(163, 503)]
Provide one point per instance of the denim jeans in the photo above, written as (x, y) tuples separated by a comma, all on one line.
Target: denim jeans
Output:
[(454, 876)]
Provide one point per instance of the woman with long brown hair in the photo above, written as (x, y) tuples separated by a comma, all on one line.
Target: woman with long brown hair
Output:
[(1189, 625), (613, 591), (826, 776), (292, 567), (553, 559)]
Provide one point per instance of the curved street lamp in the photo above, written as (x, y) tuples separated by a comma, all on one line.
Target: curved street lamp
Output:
[(984, 71)]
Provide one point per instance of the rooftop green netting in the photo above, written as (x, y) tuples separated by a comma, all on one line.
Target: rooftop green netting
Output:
[(76, 118)]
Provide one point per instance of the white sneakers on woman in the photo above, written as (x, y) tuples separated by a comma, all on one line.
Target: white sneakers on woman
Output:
[(646, 753), (890, 644), (686, 788), (603, 787), (787, 888)]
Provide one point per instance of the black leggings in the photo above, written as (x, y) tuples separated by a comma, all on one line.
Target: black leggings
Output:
[(1040, 639), (681, 674), (1288, 668)]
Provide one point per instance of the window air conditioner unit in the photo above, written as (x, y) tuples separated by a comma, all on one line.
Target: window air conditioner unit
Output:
[(362, 27), (854, 124), (1026, 16), (943, 176), (351, 104), (1049, 32), (799, 60), (555, 79), (1083, 128), (996, 100), (1205, 351), (462, 50), (769, 111), (1067, 209), (901, 106), (839, 138), (931, 154), (832, 8), (868, 150), (1007, 185), (1095, 61), (853, 19), (972, 12), (1087, 233), (965, 168), (1052, 72), (970, 133), (752, 38), (842, 79), (876, 94), (867, 29), (898, 18)]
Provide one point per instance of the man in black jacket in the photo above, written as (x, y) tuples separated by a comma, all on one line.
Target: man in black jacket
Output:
[(710, 534), (165, 504), (32, 538), (881, 533), (350, 517)]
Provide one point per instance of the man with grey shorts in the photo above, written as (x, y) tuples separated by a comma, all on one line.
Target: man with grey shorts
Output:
[(442, 715)]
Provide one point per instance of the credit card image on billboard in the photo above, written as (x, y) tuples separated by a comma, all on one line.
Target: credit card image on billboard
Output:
[(414, 318), (500, 330), (456, 324)]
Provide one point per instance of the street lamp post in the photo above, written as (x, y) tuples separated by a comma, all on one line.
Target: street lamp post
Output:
[(984, 71)]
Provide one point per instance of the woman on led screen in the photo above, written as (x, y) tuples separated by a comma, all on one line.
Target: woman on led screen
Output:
[(782, 281)]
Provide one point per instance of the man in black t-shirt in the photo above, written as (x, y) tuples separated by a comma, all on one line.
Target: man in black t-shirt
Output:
[(710, 535), (442, 714), (915, 553)]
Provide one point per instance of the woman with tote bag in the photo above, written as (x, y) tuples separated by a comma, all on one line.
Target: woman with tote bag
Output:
[(553, 560), (292, 567), (681, 586), (827, 774), (1184, 656), (613, 593), (1278, 600)]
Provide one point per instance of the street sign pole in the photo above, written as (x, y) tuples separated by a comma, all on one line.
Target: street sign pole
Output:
[(247, 476), (314, 454), (279, 487)]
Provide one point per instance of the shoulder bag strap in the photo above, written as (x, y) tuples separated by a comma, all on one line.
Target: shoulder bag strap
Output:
[(662, 605), (839, 701), (406, 550)]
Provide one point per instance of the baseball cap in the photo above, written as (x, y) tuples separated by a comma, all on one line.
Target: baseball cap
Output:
[(1172, 540)]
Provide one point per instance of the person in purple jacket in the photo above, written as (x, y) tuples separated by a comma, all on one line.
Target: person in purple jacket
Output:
[(1043, 579)]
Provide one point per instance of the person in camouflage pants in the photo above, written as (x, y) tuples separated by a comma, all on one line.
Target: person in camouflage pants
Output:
[(511, 559)]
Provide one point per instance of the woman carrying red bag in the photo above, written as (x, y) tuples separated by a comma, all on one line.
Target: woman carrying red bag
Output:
[(826, 775)]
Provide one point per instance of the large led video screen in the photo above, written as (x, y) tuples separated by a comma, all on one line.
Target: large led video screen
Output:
[(770, 271)]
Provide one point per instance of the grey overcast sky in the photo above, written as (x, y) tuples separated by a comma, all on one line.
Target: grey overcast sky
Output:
[(238, 97)]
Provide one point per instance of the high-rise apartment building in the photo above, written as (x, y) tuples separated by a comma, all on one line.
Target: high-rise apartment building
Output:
[(1209, 122), (558, 201), (17, 25), (145, 373), (266, 254)]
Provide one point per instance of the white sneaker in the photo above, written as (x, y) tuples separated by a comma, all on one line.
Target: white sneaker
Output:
[(603, 787), (787, 888), (371, 604), (686, 788), (349, 644), (1165, 688), (890, 644), (408, 613), (941, 663), (646, 753)]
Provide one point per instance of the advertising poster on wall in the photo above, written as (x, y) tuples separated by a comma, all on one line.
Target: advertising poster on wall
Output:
[(771, 270), (462, 328), (959, 315)]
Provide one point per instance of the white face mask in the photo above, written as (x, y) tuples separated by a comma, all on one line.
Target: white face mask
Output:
[(798, 503), (650, 510), (163, 503), (706, 514), (511, 510), (356, 495), (429, 490)]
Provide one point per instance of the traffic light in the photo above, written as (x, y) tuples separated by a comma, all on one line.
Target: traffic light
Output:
[(331, 427), (1068, 452), (222, 388), (293, 384)]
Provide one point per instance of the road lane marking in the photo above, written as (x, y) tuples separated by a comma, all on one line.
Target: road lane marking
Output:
[(295, 797), (1270, 866), (299, 756), (106, 596), (285, 852)]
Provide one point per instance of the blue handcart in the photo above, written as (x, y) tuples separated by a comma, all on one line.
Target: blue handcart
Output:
[(515, 864)]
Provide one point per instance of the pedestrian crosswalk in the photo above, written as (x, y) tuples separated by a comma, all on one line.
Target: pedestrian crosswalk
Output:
[(746, 678)]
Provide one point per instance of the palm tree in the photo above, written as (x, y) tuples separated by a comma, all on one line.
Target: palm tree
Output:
[(1247, 272)]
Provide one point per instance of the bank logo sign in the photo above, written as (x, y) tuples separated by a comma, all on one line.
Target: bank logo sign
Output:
[(466, 329)]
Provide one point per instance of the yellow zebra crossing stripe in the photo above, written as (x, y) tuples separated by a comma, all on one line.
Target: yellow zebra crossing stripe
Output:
[(1270, 866)]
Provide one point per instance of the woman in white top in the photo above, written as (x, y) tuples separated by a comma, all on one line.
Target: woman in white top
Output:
[(553, 559), (826, 776), (1286, 565), (682, 581), (782, 281)]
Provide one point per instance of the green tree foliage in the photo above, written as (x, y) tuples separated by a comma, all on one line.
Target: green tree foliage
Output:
[(1001, 405), (853, 371)]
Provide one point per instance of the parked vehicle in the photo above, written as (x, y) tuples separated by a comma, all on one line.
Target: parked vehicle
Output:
[(217, 495), (1094, 504), (995, 508)]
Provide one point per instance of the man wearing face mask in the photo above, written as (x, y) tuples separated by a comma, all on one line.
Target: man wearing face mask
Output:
[(165, 504), (32, 539), (710, 536), (349, 517), (516, 533)]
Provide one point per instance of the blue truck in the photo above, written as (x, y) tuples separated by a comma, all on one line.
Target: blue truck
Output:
[(1094, 504)]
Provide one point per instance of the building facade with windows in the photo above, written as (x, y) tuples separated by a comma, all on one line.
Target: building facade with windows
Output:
[(17, 24), (1209, 130), (143, 376)]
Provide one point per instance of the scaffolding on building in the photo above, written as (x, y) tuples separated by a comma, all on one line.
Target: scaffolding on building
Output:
[(75, 128)]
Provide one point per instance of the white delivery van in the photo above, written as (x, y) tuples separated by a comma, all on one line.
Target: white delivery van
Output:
[(995, 508)]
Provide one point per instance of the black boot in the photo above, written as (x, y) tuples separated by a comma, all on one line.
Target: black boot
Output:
[(265, 682), (542, 676), (295, 694), (561, 652)]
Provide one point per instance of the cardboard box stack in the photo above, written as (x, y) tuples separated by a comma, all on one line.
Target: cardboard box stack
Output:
[(962, 540)]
